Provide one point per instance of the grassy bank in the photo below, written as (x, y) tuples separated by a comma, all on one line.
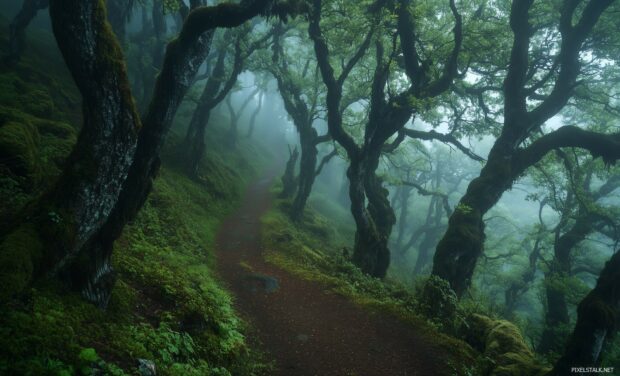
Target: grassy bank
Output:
[(167, 307)]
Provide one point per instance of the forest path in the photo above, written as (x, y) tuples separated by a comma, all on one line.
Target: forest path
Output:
[(305, 328)]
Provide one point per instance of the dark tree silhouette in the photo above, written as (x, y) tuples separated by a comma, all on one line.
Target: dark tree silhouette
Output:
[(462, 244)]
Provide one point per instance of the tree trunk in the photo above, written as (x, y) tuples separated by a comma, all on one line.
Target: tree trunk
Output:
[(404, 192), (55, 231), (307, 166), (17, 28), (597, 321), (183, 58), (373, 223), (462, 244), (289, 181), (255, 115), (556, 318)]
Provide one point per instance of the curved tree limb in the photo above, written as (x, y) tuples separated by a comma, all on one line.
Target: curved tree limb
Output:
[(445, 138), (325, 160), (425, 192), (606, 146)]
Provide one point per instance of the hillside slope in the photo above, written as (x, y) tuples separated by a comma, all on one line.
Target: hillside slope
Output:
[(167, 307)]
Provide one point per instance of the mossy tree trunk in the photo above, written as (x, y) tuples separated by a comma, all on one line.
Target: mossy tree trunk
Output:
[(307, 166), (374, 221), (70, 231), (184, 55), (458, 251), (18, 26), (597, 321), (74, 211)]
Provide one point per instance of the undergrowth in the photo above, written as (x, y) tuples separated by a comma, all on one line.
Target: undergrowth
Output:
[(166, 307), (315, 249)]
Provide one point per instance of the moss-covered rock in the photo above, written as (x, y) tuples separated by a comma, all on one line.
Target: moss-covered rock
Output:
[(439, 301), (502, 343), (18, 148)]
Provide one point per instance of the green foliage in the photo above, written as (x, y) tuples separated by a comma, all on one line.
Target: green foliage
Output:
[(165, 286), (439, 302), (505, 353)]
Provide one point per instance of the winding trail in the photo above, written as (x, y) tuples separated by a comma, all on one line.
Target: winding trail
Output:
[(306, 329)]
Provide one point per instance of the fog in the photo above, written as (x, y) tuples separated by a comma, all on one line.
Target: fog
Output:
[(410, 162)]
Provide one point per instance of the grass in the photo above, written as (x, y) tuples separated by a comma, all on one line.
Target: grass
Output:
[(316, 249), (167, 306)]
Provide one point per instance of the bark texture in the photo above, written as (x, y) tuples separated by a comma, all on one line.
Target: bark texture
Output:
[(78, 206)]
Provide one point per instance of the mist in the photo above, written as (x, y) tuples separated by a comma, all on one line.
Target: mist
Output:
[(269, 187)]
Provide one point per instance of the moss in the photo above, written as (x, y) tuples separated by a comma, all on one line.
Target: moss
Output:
[(505, 337), (18, 253), (18, 148), (501, 342), (165, 287), (38, 103), (439, 301)]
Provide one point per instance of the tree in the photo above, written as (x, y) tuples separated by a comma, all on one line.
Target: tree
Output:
[(218, 87), (580, 215), (388, 114), (300, 91), (531, 96), (255, 113), (69, 232), (234, 116)]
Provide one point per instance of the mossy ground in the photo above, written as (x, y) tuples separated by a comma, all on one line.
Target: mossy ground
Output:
[(39, 118), (167, 306)]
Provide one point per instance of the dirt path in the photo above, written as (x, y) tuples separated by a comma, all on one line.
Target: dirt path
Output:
[(307, 330)]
